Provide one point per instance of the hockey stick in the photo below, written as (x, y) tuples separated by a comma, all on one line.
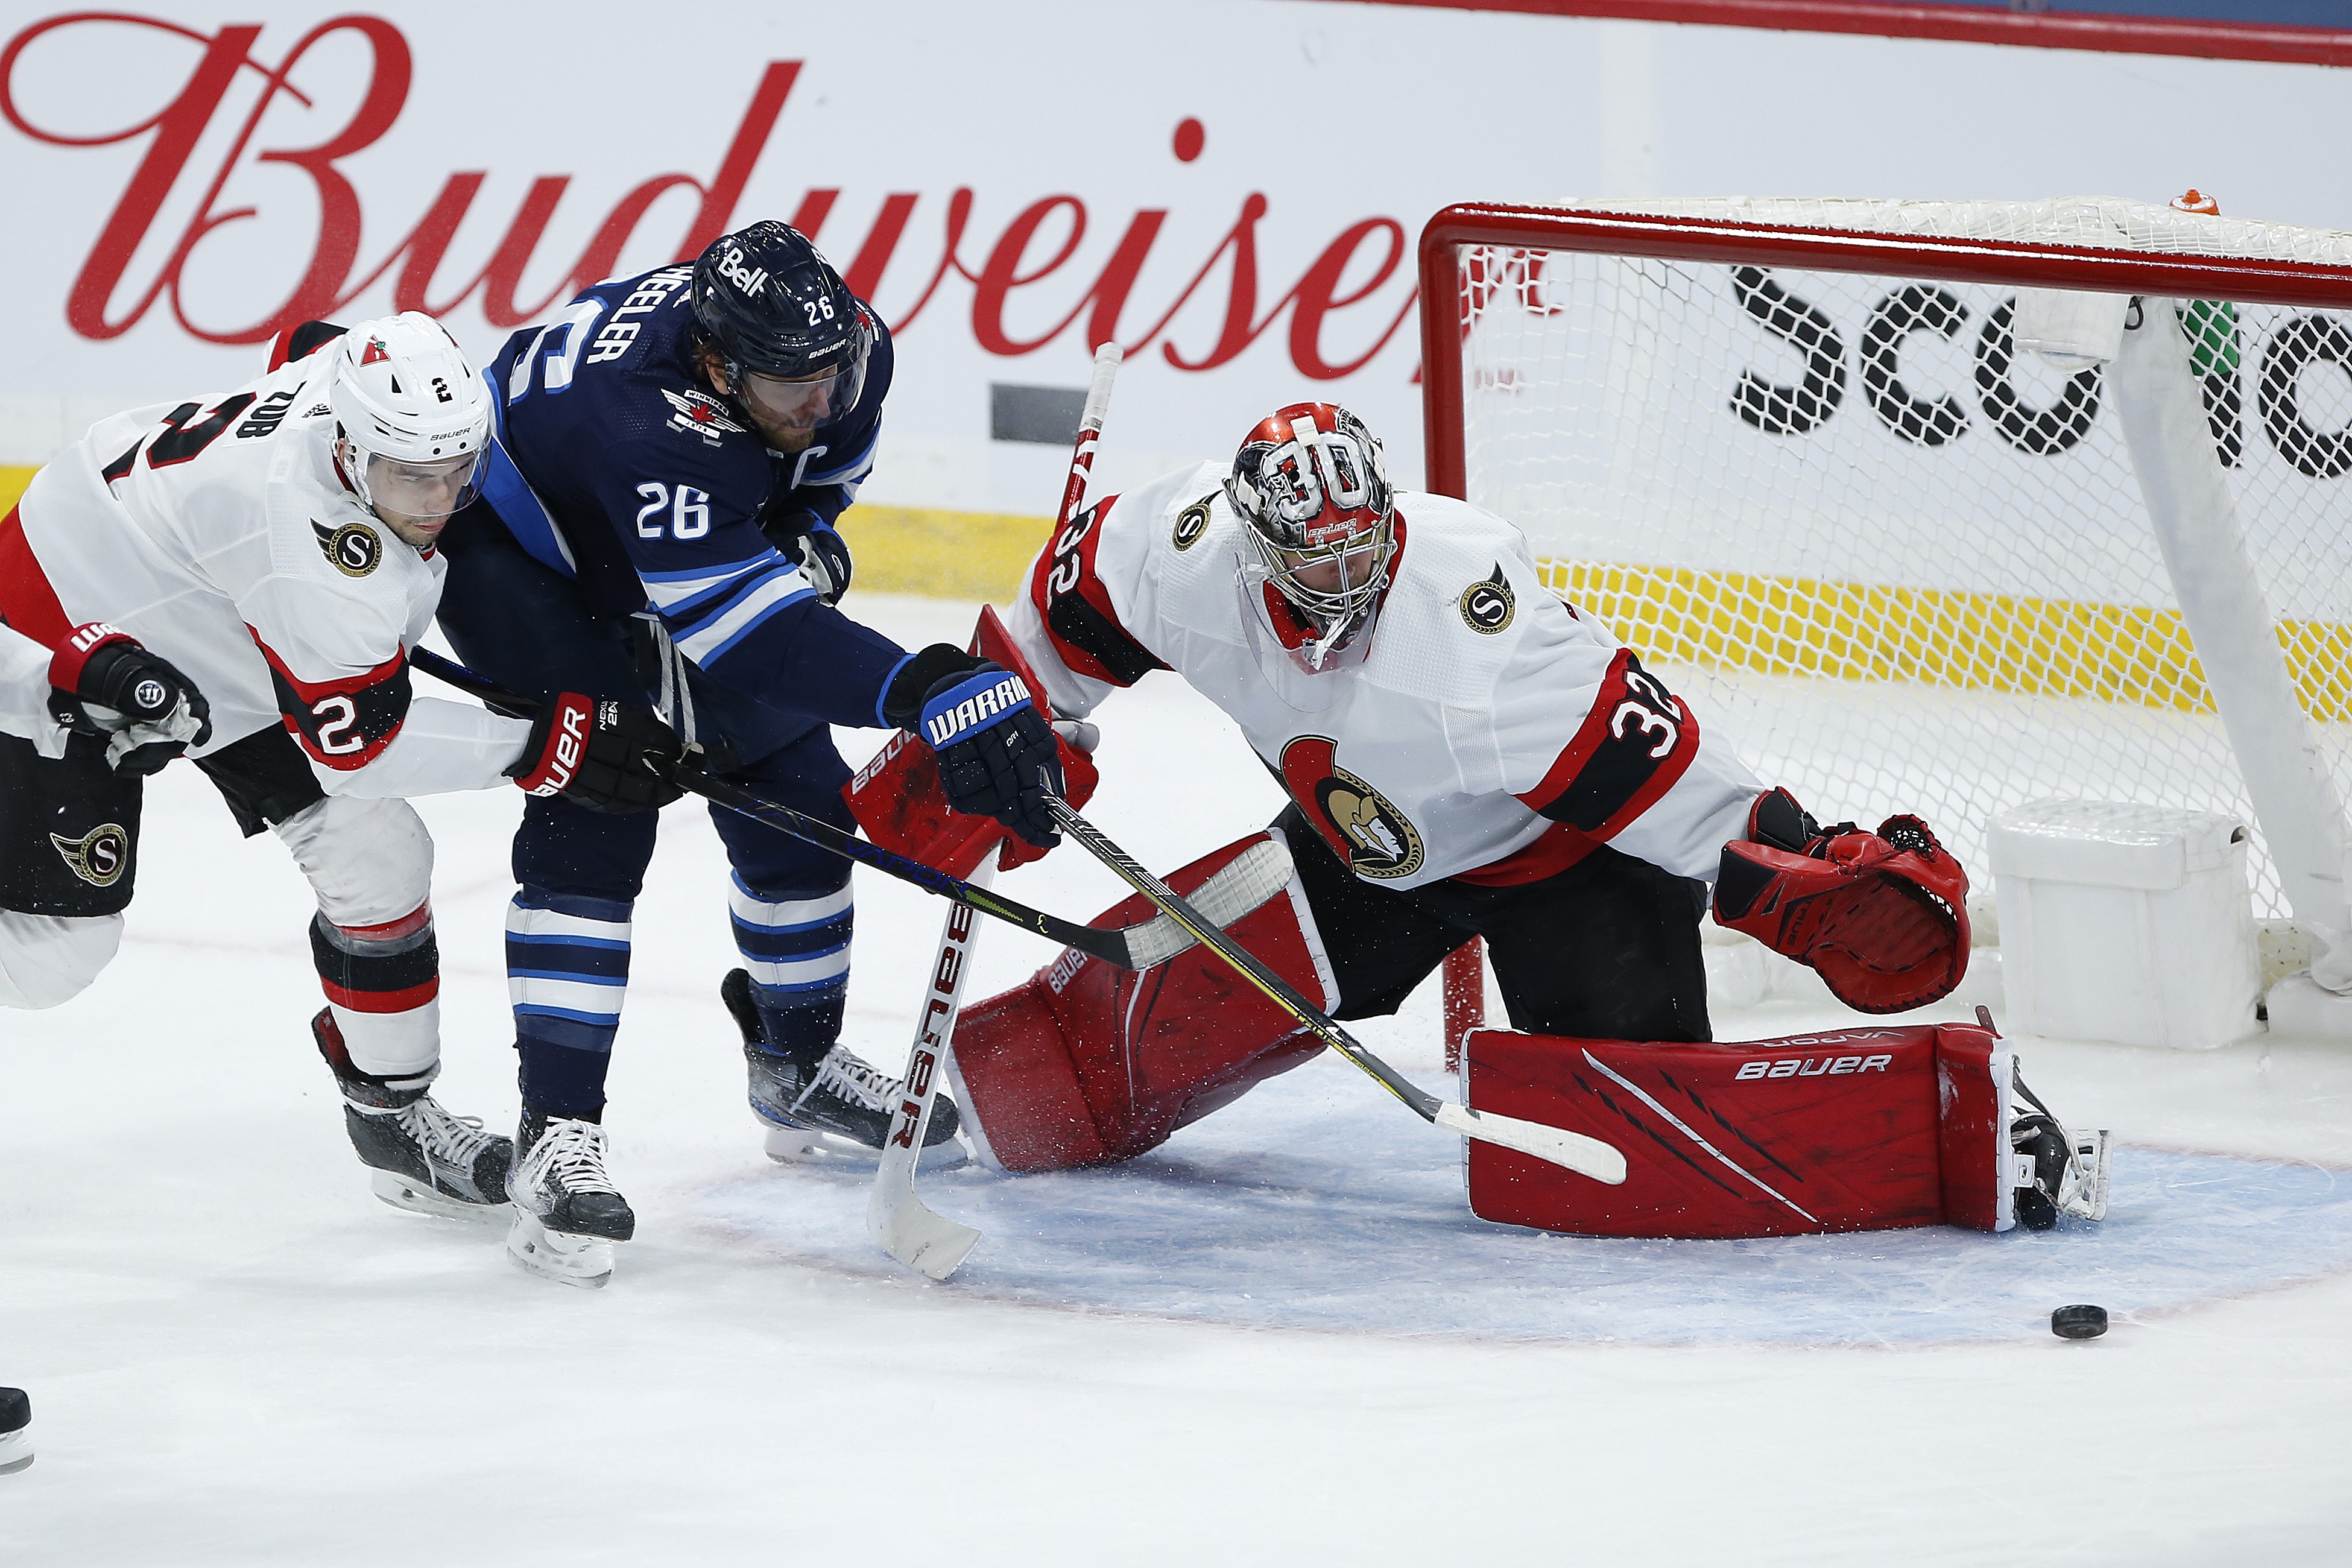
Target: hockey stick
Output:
[(1586, 1156), (909, 1232), (924, 1241), (1135, 947)]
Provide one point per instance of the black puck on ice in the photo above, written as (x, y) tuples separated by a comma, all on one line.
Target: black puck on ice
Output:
[(2079, 1322)]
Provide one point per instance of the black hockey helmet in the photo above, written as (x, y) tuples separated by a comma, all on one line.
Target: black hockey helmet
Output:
[(776, 311)]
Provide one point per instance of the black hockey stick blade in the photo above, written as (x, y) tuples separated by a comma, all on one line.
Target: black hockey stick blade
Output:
[(1112, 946), (1571, 1151)]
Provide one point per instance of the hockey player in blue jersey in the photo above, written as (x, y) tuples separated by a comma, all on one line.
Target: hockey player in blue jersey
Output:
[(671, 453)]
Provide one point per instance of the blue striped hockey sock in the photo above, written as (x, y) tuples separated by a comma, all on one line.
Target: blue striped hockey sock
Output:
[(567, 971), (797, 951)]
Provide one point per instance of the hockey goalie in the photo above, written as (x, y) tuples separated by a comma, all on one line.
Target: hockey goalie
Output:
[(1465, 754)]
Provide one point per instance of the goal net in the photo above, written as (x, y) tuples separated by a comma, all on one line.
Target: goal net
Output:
[(1794, 452)]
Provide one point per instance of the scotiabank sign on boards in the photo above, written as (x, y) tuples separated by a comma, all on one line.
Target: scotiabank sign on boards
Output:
[(232, 182)]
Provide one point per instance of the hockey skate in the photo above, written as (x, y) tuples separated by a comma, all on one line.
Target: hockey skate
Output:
[(16, 1431), (839, 1110), (567, 1213), (419, 1157), (2068, 1172)]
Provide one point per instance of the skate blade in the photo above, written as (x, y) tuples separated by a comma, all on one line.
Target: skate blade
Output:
[(800, 1146), (16, 1450), (415, 1197), (586, 1261)]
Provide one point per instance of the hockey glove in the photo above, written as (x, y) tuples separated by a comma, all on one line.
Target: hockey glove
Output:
[(997, 754), (608, 756), (1881, 917), (813, 543), (105, 682)]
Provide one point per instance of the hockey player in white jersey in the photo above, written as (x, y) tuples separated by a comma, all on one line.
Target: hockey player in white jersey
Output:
[(1465, 755), (276, 546)]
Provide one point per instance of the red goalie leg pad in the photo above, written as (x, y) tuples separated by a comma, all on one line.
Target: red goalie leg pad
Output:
[(897, 800), (1874, 1129), (1089, 1064)]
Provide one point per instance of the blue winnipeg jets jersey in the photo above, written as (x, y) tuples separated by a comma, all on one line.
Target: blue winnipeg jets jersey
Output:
[(615, 467)]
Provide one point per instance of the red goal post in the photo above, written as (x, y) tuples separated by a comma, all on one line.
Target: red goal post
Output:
[(1708, 417)]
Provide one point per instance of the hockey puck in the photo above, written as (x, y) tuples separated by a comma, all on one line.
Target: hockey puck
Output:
[(2079, 1322)]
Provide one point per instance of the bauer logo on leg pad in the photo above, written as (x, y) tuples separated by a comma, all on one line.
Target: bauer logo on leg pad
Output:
[(98, 856), (972, 705)]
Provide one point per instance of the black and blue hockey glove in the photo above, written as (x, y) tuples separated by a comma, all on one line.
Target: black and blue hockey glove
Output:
[(997, 756), (814, 544)]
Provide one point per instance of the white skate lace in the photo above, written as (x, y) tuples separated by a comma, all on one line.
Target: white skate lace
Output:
[(456, 1140), (847, 1078), (569, 1157)]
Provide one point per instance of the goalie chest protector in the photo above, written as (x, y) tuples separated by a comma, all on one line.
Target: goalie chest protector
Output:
[(1867, 1128)]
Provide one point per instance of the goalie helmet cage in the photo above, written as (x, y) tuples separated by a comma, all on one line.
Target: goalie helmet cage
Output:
[(1789, 450)]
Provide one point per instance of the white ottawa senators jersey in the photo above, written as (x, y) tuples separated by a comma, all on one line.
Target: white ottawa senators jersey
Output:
[(1487, 733), (25, 694), (219, 535)]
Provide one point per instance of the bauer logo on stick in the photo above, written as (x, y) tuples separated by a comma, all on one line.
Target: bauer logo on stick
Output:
[(98, 856), (1487, 608)]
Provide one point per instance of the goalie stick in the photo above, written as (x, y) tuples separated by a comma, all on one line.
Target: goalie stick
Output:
[(1586, 1156), (1135, 947), (927, 1242)]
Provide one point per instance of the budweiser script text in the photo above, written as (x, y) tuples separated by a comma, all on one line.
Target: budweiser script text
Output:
[(1351, 271)]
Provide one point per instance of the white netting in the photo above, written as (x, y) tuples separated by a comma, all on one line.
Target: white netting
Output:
[(1900, 565)]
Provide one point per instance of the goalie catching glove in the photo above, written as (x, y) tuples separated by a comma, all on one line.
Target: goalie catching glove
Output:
[(997, 756), (606, 756), (105, 682), (1882, 917)]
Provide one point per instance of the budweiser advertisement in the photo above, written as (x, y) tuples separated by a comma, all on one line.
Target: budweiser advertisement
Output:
[(1231, 192)]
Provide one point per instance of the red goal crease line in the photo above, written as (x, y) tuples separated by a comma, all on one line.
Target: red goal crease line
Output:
[(2100, 32)]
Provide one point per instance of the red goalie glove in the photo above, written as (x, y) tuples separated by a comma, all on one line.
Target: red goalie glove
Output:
[(1882, 917)]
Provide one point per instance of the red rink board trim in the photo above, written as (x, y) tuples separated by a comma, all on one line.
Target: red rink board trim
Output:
[(2096, 32)]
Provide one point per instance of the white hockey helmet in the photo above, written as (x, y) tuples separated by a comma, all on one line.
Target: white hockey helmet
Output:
[(414, 415)]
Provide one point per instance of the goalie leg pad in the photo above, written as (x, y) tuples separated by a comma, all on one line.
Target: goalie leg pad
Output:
[(1089, 1064), (1874, 1129)]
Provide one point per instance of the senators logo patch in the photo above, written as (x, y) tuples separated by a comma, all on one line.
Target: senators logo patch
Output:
[(98, 856), (353, 549), (1192, 522), (1487, 608), (1376, 839)]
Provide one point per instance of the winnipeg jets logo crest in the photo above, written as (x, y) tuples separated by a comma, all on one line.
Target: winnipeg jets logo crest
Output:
[(1369, 833), (1192, 522), (698, 413), (353, 549), (1488, 606), (98, 856)]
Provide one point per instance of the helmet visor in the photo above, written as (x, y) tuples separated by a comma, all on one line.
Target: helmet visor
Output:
[(423, 490), (805, 404)]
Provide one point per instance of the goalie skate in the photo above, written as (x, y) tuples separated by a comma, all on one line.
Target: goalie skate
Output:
[(2068, 1172), (837, 1113)]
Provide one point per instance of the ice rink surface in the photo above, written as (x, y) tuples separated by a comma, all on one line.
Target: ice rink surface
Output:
[(1280, 1339)]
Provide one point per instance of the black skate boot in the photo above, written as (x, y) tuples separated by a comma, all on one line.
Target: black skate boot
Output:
[(832, 1107), (420, 1158), (567, 1213), (2070, 1170), (16, 1431)]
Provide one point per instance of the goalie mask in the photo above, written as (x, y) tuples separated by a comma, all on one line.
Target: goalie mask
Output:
[(1312, 486), (413, 419)]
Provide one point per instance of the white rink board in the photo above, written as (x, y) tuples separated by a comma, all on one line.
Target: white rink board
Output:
[(238, 1357), (1321, 118)]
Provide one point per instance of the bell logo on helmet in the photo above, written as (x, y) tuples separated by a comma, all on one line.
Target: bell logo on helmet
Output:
[(749, 280)]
